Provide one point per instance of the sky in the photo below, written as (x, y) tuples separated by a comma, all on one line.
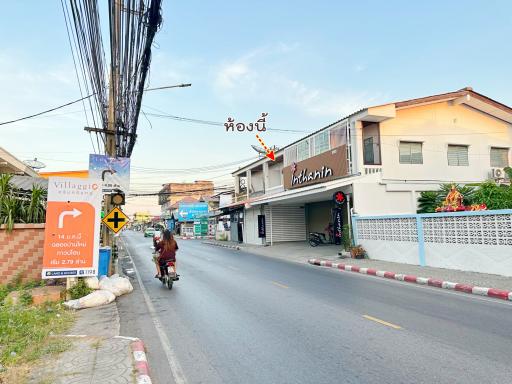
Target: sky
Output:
[(305, 63)]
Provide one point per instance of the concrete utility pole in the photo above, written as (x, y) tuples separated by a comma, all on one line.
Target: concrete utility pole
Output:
[(110, 142)]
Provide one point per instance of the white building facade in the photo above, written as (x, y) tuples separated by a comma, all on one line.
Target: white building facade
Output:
[(380, 157)]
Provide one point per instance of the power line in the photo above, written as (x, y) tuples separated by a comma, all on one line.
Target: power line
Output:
[(165, 115), (48, 110)]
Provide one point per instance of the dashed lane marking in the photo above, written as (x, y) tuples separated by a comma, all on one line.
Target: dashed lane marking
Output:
[(391, 325), (280, 285)]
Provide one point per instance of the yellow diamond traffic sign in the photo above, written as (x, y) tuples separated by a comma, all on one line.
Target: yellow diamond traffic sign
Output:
[(115, 220)]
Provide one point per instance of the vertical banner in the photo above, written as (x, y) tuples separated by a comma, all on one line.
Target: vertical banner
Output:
[(71, 240), (114, 172), (261, 226), (338, 225)]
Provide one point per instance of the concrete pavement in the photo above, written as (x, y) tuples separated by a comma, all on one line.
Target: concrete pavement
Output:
[(236, 317)]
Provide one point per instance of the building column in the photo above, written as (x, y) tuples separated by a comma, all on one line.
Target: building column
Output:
[(266, 178), (248, 182), (237, 185), (357, 148)]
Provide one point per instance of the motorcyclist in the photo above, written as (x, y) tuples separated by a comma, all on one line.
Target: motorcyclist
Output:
[(166, 249)]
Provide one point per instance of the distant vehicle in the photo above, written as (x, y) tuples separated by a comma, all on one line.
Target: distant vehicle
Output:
[(149, 232)]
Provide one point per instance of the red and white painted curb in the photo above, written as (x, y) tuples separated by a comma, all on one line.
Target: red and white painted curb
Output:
[(196, 237), (141, 362), (222, 245), (467, 288)]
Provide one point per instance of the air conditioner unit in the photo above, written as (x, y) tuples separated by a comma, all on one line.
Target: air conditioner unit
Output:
[(498, 173)]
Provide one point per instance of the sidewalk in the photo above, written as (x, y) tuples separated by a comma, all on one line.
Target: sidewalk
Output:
[(97, 353), (301, 252)]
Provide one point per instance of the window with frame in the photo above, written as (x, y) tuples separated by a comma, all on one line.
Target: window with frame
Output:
[(499, 157), (290, 155), (368, 152), (458, 155), (303, 150), (337, 136), (321, 142), (410, 152)]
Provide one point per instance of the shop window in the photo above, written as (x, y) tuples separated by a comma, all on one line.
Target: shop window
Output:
[(303, 150), (410, 152), (458, 155), (321, 142), (499, 157)]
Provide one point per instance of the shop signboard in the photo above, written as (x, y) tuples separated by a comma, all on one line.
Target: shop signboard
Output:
[(71, 239), (115, 172), (261, 226), (339, 198), (327, 166), (338, 225), (192, 211)]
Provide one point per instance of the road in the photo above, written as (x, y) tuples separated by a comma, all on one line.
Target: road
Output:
[(235, 317)]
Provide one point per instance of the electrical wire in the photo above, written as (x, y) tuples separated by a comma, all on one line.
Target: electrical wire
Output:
[(46, 111)]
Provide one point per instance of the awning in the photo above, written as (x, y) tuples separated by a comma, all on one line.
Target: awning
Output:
[(318, 192)]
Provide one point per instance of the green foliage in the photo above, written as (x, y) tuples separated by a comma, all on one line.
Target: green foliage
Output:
[(508, 171), (25, 298), (494, 196), (488, 193), (428, 202), (19, 207), (345, 238), (79, 290), (25, 330)]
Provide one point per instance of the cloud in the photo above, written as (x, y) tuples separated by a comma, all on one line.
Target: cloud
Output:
[(256, 77)]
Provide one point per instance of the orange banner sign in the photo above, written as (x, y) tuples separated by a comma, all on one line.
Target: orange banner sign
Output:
[(71, 245)]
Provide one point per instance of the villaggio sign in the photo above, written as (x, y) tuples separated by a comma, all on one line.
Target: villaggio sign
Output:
[(317, 169), (305, 176)]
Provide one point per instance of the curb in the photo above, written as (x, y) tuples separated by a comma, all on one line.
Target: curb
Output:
[(222, 245), (140, 362), (196, 238), (466, 288)]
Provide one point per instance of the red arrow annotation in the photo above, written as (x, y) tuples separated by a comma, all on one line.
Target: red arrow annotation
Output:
[(270, 153)]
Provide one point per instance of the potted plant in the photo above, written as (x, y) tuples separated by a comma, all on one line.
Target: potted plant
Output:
[(358, 252)]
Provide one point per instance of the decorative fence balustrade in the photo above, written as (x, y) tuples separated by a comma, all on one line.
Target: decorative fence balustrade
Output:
[(471, 241)]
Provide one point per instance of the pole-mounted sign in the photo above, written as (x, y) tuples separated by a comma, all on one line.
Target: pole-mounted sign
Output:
[(115, 220)]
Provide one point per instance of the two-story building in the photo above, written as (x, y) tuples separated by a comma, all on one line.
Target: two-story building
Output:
[(381, 157)]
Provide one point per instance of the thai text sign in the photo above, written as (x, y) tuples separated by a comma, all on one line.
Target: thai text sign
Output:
[(324, 167), (192, 211), (114, 172), (71, 239)]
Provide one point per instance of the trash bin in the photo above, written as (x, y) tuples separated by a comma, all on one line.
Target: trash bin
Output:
[(104, 261)]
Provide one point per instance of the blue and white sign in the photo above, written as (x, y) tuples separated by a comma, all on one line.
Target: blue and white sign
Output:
[(192, 211), (115, 173)]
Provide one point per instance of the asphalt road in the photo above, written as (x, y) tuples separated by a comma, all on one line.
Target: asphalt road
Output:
[(241, 318)]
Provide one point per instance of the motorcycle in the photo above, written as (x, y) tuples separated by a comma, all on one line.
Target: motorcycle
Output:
[(318, 238), (169, 275), (168, 272)]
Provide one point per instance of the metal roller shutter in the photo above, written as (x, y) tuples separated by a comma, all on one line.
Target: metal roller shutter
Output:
[(285, 223)]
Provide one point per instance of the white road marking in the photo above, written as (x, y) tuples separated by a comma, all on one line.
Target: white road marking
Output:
[(176, 370)]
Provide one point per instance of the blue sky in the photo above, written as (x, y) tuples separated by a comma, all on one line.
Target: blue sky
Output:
[(305, 63)]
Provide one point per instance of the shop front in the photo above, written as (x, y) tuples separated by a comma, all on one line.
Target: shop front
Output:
[(307, 204)]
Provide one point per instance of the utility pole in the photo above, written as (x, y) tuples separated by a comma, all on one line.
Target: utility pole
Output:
[(110, 140)]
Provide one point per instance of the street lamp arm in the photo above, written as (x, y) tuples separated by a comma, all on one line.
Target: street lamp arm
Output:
[(168, 86)]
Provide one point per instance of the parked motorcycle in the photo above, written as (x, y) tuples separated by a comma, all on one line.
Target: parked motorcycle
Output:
[(318, 238)]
